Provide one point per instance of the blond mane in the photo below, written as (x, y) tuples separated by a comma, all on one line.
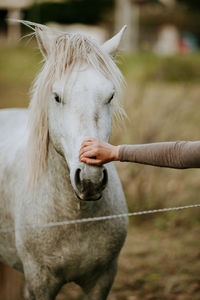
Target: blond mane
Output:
[(67, 51)]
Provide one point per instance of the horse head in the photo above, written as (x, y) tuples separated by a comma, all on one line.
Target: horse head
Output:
[(78, 90)]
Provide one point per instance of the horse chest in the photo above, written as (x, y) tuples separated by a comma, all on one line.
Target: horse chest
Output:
[(87, 250)]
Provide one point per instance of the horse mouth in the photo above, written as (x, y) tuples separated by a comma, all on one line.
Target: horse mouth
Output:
[(83, 197)]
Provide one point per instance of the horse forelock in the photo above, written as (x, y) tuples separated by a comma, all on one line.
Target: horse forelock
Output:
[(67, 52)]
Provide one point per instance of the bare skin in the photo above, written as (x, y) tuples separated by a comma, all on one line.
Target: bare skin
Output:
[(178, 154), (96, 152)]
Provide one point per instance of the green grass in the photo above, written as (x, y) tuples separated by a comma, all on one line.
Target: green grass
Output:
[(18, 67), (148, 67)]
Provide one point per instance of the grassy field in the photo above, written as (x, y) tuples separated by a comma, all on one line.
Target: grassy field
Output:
[(161, 256)]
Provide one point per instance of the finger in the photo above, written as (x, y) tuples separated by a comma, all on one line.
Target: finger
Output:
[(86, 150), (86, 143), (86, 147), (89, 153), (91, 161), (83, 150)]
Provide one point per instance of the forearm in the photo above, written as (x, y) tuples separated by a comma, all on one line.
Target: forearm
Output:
[(179, 155)]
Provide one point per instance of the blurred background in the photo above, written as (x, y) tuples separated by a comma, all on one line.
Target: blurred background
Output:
[(160, 60)]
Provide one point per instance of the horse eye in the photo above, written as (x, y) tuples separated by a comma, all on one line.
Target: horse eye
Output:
[(111, 98), (57, 98)]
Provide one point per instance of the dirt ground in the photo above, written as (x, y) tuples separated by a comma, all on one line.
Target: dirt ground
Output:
[(155, 265)]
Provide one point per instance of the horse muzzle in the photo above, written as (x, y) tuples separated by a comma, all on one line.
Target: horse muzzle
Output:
[(89, 182)]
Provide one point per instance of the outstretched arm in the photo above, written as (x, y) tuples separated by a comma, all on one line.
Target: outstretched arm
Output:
[(179, 155)]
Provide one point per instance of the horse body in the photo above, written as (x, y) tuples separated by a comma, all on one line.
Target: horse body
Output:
[(85, 253), (12, 145)]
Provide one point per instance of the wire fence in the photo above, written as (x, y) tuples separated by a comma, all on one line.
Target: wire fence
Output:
[(97, 219)]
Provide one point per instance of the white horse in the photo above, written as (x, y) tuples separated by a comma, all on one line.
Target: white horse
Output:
[(42, 179)]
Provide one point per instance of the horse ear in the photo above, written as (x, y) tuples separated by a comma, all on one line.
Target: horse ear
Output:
[(45, 40), (111, 46)]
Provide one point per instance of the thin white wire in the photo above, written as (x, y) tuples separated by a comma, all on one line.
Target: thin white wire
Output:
[(95, 219)]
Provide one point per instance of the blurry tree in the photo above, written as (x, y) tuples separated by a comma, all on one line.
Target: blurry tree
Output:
[(185, 16), (71, 11), (191, 4)]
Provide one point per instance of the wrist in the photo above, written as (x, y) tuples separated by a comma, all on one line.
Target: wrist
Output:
[(115, 153)]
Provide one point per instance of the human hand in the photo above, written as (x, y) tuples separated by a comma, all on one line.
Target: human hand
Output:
[(96, 152)]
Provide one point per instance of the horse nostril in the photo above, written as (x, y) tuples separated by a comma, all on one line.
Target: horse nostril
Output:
[(105, 178), (77, 178), (92, 183)]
